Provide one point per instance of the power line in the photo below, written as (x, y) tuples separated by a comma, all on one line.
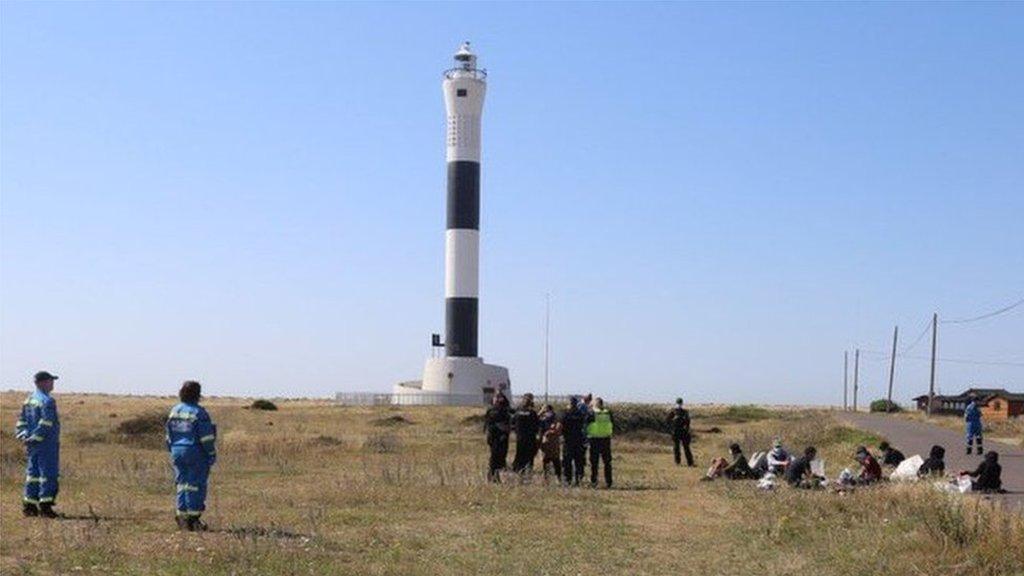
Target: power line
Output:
[(924, 330), (971, 362), (880, 356), (1002, 310)]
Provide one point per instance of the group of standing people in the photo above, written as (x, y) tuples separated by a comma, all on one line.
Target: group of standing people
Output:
[(190, 439), (564, 439)]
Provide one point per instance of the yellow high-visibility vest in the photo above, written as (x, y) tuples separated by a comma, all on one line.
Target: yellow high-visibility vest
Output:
[(601, 427)]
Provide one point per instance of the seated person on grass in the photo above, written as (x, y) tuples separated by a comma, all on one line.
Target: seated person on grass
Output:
[(778, 458), (934, 465), (870, 470), (890, 456), (799, 474), (738, 469), (988, 476)]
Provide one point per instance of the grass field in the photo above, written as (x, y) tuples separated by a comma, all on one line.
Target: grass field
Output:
[(315, 488)]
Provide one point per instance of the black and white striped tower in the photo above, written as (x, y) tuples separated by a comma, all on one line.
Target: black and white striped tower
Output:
[(464, 89), (460, 376)]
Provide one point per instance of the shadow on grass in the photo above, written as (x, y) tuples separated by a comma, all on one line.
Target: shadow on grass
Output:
[(262, 532), (641, 488)]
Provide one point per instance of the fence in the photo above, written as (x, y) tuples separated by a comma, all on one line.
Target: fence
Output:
[(433, 399)]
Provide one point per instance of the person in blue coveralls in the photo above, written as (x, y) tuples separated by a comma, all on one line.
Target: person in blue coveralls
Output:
[(39, 428), (191, 440), (972, 421)]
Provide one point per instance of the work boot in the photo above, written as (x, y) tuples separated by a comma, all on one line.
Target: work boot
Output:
[(46, 510), (181, 521), (979, 450), (196, 525), (29, 509)]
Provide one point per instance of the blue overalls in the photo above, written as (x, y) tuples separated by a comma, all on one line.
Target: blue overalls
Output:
[(972, 419), (190, 440), (39, 427)]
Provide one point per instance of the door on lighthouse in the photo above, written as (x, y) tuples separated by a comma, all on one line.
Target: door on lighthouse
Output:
[(488, 395)]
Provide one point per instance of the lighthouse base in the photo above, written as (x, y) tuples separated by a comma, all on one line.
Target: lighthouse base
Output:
[(454, 381)]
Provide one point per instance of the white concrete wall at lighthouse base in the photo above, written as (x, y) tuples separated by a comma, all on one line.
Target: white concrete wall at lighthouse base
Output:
[(455, 381)]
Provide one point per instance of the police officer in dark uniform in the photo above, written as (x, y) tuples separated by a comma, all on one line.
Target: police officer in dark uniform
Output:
[(527, 425), (679, 420), (498, 424), (574, 422)]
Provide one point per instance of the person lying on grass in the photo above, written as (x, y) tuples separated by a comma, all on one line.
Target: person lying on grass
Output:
[(737, 469), (799, 474)]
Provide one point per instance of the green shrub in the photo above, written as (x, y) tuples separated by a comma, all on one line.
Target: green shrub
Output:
[(637, 417), (262, 404), (143, 431), (884, 405), (142, 425)]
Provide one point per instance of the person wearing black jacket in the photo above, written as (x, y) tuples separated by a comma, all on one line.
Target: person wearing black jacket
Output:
[(988, 474), (526, 424), (935, 463), (497, 424), (798, 473), (574, 423), (890, 456), (679, 421)]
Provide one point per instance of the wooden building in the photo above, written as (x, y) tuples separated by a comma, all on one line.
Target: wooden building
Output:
[(995, 403)]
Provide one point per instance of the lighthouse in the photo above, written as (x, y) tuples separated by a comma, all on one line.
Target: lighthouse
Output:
[(460, 376)]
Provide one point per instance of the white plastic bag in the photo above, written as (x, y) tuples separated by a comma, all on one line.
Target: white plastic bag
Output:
[(964, 484), (767, 482), (818, 467), (907, 470)]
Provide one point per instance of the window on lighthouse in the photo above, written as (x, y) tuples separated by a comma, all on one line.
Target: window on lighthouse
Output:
[(461, 92)]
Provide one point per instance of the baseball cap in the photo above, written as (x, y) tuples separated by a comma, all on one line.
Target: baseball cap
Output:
[(43, 376)]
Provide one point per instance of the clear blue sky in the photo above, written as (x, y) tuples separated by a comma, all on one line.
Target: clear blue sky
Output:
[(720, 198)]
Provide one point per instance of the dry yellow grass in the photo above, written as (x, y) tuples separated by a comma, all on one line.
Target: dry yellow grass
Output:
[(1005, 431), (316, 488)]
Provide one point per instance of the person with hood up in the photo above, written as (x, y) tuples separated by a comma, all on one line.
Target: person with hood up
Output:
[(498, 425), (987, 477), (574, 422), (870, 470), (778, 458), (934, 465), (973, 425), (526, 424), (550, 442), (191, 440), (890, 456)]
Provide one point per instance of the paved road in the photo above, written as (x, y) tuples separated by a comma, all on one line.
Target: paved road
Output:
[(913, 437)]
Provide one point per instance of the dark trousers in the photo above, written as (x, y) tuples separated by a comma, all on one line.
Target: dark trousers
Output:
[(684, 440), (601, 449), (971, 438), (573, 461), (552, 463), (526, 451), (499, 455)]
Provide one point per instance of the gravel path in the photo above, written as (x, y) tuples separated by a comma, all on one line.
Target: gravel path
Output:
[(913, 437)]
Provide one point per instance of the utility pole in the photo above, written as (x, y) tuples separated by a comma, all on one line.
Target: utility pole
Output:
[(846, 378), (892, 366), (931, 384), (856, 376), (547, 339)]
